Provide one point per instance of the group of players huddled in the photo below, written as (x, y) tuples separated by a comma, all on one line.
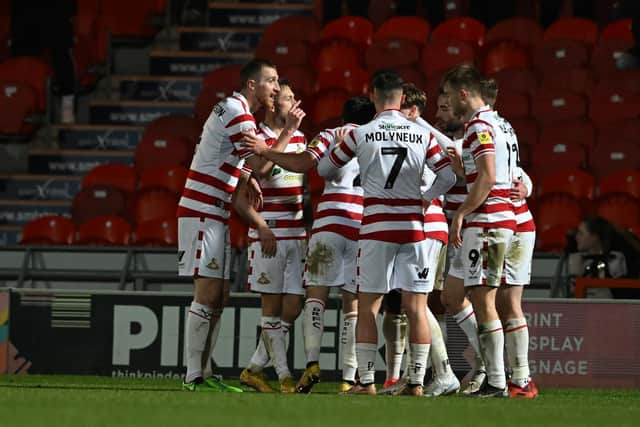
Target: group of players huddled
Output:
[(408, 210)]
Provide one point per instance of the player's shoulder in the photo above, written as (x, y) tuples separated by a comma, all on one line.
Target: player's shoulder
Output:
[(235, 105)]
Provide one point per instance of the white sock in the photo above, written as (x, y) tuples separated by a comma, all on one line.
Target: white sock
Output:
[(213, 337), (516, 339), (442, 322), (198, 322), (348, 341), (407, 362), (274, 343), (418, 366), (438, 352), (491, 339), (366, 356), (312, 328), (466, 319), (286, 326), (394, 327)]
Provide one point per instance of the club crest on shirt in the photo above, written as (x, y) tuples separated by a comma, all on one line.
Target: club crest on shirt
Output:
[(484, 137), (263, 279), (213, 265), (314, 143)]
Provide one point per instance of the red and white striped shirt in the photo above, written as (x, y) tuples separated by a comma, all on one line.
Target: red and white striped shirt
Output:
[(218, 161), (524, 219), (482, 137), (392, 153), (435, 223), (340, 206), (282, 193)]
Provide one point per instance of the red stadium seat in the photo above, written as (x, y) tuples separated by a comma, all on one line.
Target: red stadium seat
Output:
[(505, 55), (5, 28), (557, 210), (555, 156), (154, 152), (171, 178), (410, 28), (289, 28), (99, 200), (336, 54), (327, 105), (556, 106), (29, 71), (48, 230), (512, 105), (380, 10), (284, 53), (18, 103), (104, 231), (116, 175), (578, 80), (576, 182), (154, 203), (552, 239), (157, 232), (391, 54), (223, 81), (301, 78), (439, 56), (579, 131), (612, 155), (620, 209), (520, 80), (353, 80), (625, 181), (618, 30), (627, 130), (526, 130), (578, 29), (466, 29), (560, 54), (625, 81), (412, 75), (610, 104), (524, 31), (174, 125), (132, 19), (606, 53), (355, 29)]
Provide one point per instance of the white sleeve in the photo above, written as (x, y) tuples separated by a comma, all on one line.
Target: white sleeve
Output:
[(445, 179), (526, 180), (327, 169), (443, 140)]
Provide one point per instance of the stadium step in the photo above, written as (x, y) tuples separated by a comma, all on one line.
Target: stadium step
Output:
[(113, 112), (219, 39), (192, 63), (18, 212), (47, 161), (39, 187), (10, 235), (98, 137), (253, 14), (156, 88)]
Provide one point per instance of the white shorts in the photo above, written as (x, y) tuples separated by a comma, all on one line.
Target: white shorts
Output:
[(281, 274), (382, 266), (483, 253), (331, 261), (454, 262), (517, 261), (204, 249), (441, 268)]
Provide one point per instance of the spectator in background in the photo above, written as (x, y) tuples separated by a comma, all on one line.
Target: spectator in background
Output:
[(46, 26), (601, 251)]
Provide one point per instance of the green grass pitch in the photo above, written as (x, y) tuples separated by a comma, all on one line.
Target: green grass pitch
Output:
[(100, 401)]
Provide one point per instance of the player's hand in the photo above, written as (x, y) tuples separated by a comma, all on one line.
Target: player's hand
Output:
[(518, 190), (294, 117), (455, 229), (456, 161), (267, 242), (254, 193), (340, 134), (254, 143)]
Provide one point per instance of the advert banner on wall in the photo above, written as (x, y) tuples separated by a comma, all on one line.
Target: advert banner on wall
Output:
[(141, 334)]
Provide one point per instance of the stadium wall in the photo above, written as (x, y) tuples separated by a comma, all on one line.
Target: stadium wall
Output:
[(141, 334)]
